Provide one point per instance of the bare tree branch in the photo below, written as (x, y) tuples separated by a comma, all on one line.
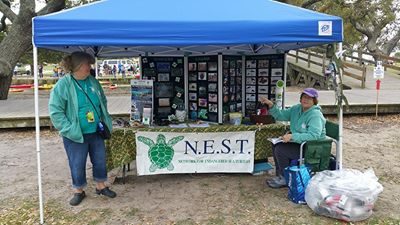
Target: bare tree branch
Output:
[(7, 12), (310, 3), (391, 44), (52, 6)]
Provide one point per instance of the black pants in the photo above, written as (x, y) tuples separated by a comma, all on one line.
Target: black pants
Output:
[(283, 154)]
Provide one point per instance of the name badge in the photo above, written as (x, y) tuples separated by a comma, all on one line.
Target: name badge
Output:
[(90, 117)]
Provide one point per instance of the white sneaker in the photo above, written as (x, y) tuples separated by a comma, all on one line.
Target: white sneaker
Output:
[(278, 182)]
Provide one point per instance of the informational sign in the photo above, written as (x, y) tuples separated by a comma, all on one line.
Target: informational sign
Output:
[(212, 152), (141, 98), (379, 71)]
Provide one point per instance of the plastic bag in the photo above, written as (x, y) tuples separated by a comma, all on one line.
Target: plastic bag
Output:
[(345, 194)]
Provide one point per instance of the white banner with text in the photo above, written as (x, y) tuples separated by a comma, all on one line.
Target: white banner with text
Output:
[(213, 152)]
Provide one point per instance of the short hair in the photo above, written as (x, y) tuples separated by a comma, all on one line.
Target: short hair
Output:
[(73, 62)]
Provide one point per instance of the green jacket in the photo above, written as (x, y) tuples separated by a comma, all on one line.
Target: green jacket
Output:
[(305, 126), (63, 108)]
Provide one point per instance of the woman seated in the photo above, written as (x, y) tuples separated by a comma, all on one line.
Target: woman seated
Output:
[(306, 123)]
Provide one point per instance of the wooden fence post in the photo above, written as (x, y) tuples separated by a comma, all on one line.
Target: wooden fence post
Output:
[(323, 63), (297, 56), (308, 58), (359, 57), (364, 76)]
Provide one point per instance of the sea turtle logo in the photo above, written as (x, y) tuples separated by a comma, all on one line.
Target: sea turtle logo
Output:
[(160, 153)]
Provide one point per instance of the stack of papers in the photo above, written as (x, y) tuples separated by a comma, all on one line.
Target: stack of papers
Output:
[(275, 141)]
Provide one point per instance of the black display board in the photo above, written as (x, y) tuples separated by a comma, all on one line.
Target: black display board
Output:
[(232, 84), (167, 74), (262, 73), (203, 88)]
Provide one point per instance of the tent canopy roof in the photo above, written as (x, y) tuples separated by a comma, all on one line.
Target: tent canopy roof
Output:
[(182, 27)]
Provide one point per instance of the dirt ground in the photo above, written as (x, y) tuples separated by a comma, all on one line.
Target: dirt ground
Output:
[(188, 198)]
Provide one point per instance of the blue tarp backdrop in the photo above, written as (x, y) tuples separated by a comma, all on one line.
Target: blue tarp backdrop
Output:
[(179, 27)]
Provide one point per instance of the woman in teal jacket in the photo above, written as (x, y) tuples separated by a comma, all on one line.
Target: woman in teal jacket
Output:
[(77, 104), (306, 123)]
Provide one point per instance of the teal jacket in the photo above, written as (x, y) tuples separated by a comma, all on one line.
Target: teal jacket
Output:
[(305, 126), (63, 108)]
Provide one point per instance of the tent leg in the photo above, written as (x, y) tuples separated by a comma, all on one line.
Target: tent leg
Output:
[(123, 173), (37, 126), (340, 47)]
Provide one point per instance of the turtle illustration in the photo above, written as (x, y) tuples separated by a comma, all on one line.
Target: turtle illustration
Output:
[(160, 153)]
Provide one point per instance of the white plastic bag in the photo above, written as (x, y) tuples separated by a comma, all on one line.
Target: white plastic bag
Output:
[(345, 194)]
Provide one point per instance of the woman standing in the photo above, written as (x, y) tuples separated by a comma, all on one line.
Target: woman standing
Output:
[(306, 123), (77, 104)]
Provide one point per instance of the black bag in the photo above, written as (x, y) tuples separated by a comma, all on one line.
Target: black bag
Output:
[(103, 130)]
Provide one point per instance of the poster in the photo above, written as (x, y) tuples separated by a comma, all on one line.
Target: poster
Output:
[(141, 97)]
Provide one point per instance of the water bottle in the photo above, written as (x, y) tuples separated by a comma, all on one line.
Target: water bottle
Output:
[(101, 127)]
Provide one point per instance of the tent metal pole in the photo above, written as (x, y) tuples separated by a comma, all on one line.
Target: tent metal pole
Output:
[(96, 67), (340, 48), (37, 126)]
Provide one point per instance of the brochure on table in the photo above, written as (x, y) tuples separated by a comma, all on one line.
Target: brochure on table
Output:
[(141, 101)]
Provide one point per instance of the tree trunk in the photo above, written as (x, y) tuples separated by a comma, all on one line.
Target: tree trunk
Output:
[(19, 40)]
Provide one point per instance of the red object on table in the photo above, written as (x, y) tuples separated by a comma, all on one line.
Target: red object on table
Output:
[(378, 84)]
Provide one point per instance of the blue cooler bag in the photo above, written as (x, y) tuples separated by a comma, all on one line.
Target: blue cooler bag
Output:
[(297, 178)]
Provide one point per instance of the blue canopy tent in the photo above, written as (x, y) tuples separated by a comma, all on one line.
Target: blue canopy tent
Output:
[(122, 28)]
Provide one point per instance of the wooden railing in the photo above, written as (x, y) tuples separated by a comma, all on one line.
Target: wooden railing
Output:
[(387, 61), (358, 72)]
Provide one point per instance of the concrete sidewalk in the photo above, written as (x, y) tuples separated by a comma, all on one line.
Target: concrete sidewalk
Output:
[(20, 112)]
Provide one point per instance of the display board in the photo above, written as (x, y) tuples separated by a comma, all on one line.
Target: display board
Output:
[(203, 88), (141, 100), (262, 73), (167, 73), (232, 84)]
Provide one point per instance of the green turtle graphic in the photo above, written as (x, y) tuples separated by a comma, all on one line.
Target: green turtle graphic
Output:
[(160, 153)]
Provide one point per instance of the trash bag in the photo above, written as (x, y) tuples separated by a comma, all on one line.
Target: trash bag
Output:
[(345, 194)]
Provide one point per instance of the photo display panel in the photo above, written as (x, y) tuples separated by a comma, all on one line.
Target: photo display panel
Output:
[(203, 88), (167, 74), (262, 73), (232, 84)]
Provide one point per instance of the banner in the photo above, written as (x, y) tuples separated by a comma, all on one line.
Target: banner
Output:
[(213, 152)]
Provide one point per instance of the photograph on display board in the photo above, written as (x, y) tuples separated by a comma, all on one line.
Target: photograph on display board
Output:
[(251, 72), (263, 89), (263, 63), (262, 81), (148, 72), (192, 96), (202, 102), (192, 76), (276, 72), (164, 111), (192, 66), (202, 76), (238, 81), (250, 89), (176, 72), (232, 82), (239, 107), (275, 79), (163, 66), (277, 63), (192, 86), (212, 66), (202, 66), (252, 63), (251, 81), (251, 97), (192, 105), (225, 90), (238, 96), (213, 77), (163, 77), (232, 72), (213, 108), (203, 114), (212, 97), (164, 90), (202, 91), (178, 79), (212, 87), (263, 72)]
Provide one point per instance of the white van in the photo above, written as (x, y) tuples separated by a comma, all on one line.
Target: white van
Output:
[(111, 62)]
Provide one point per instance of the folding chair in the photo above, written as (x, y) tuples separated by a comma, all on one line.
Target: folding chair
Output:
[(317, 154)]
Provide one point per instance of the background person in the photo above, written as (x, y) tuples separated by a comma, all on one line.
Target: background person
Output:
[(306, 123), (76, 118)]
